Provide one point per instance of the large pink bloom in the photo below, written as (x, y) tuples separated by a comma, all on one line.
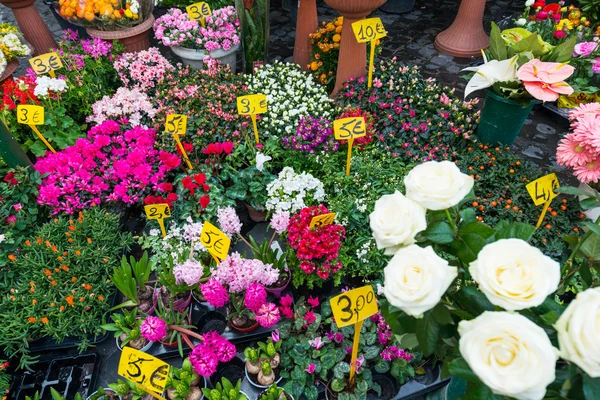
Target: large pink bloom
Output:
[(268, 315), (572, 153), (589, 172), (583, 109), (545, 80)]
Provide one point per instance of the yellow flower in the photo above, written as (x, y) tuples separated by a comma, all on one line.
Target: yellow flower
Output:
[(337, 37), (561, 24), (128, 13)]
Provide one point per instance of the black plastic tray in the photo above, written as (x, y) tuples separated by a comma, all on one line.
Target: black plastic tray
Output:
[(68, 375)]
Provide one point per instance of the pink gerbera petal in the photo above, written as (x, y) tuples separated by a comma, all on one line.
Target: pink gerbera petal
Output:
[(572, 153), (589, 172)]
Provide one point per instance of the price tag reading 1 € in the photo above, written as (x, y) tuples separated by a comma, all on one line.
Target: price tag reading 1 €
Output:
[(322, 220), (146, 371), (46, 63), (349, 129), (369, 30), (32, 116), (215, 241), (159, 212), (251, 105), (542, 192), (199, 11)]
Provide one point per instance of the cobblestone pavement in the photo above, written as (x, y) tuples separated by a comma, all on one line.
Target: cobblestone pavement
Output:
[(410, 38)]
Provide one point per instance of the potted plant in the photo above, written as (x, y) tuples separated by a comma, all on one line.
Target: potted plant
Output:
[(274, 392), (262, 365), (104, 394), (131, 279), (218, 37), (173, 288), (11, 47), (225, 390), (254, 18), (128, 390), (185, 383), (55, 395), (249, 185), (162, 328), (126, 327)]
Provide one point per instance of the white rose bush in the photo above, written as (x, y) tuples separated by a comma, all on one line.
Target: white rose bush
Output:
[(481, 298)]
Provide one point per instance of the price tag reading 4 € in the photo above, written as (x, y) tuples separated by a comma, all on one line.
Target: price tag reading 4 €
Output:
[(176, 124), (148, 372), (353, 306), (215, 241), (252, 104), (367, 30), (198, 10), (542, 190), (349, 128), (30, 115), (322, 220), (45, 63)]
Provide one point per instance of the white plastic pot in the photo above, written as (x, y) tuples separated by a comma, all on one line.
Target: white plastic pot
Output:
[(257, 384), (143, 349), (192, 57), (228, 57)]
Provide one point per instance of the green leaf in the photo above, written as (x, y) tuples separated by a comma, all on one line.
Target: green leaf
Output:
[(592, 227), (442, 315), (550, 318), (439, 232), (469, 246), (337, 384), (517, 230), (371, 352), (564, 51), (428, 332), (573, 191), (473, 301), (530, 43), (382, 366), (497, 47), (477, 228), (586, 274), (591, 387), (588, 203), (591, 247), (311, 393), (478, 391), (467, 215), (328, 360), (408, 340), (459, 368)]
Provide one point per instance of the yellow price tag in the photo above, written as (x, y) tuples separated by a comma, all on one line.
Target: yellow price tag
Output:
[(349, 128), (322, 220), (542, 190), (46, 63), (176, 124), (198, 10), (368, 30), (158, 212), (353, 306), (146, 371), (251, 105), (30, 115), (215, 241)]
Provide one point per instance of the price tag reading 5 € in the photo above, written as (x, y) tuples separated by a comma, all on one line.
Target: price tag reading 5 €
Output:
[(368, 30), (176, 124), (349, 128), (30, 115), (322, 220), (148, 372), (215, 241), (198, 10), (252, 104), (353, 306), (542, 190), (45, 63)]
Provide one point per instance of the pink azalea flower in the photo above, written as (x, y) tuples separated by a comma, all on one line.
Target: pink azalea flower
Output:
[(545, 80), (267, 315), (153, 329)]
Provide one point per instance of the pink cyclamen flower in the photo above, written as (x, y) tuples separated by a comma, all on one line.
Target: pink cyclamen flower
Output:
[(584, 49), (229, 220), (311, 368), (317, 343), (255, 297), (215, 293), (313, 301), (17, 206), (545, 80), (280, 221), (309, 317), (267, 315), (286, 301), (153, 329), (275, 336)]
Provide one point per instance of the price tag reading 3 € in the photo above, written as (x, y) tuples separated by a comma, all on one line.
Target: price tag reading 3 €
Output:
[(349, 128), (198, 10), (322, 220), (148, 372), (542, 190), (252, 104), (176, 124), (353, 306), (368, 30), (45, 63), (30, 115), (215, 241)]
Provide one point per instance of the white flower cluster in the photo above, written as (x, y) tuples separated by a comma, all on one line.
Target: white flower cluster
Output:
[(292, 192), (14, 45), (291, 94), (45, 84), (2, 63), (179, 240), (361, 252)]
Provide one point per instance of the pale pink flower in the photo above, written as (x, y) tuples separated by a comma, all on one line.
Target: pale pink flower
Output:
[(190, 272), (545, 80), (229, 220), (589, 172), (280, 221), (572, 153), (317, 343), (583, 109)]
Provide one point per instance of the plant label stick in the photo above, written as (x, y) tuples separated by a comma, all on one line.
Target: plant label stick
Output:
[(251, 105), (369, 30), (159, 212), (216, 242), (147, 372), (46, 63), (322, 220), (542, 192), (32, 116), (176, 124), (353, 307), (199, 11), (349, 129)]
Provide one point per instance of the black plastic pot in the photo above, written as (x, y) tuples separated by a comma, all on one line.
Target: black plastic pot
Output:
[(398, 6), (232, 370)]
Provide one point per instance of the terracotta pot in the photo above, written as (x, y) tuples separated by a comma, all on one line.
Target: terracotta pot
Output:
[(276, 291), (10, 69), (256, 216), (134, 39), (352, 61), (306, 24), (465, 38), (33, 27)]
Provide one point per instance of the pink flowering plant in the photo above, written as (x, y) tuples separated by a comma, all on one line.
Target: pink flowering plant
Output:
[(114, 165), (132, 104), (586, 60), (143, 70)]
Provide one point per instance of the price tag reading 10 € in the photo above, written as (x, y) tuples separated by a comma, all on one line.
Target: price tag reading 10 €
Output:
[(146, 371), (353, 306), (215, 241), (542, 190), (198, 10), (322, 220), (349, 128), (45, 63), (368, 30)]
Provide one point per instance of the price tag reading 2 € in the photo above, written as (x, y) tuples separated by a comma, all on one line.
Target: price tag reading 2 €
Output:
[(46, 63), (215, 241), (322, 220), (148, 372), (158, 212), (353, 306), (199, 10)]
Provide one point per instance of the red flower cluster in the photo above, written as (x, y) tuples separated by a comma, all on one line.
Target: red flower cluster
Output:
[(219, 148), (369, 124), (13, 95), (171, 197), (10, 178), (188, 147), (195, 181), (317, 248), (545, 11)]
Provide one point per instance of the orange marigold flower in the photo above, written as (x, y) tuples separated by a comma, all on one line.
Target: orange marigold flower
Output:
[(32, 289), (12, 297), (12, 257), (71, 227), (61, 308), (65, 253), (53, 283), (52, 304), (28, 243), (101, 298), (55, 220), (56, 270), (89, 240), (31, 319), (70, 240), (34, 302), (77, 252), (67, 234), (81, 299), (69, 300), (74, 279), (60, 258), (80, 214), (39, 240), (64, 267), (31, 283), (87, 287), (105, 260), (54, 249), (70, 222), (48, 243), (44, 320), (47, 272)]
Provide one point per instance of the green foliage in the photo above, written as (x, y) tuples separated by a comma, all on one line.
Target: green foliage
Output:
[(126, 323), (225, 390), (182, 380), (255, 30), (273, 393), (249, 185)]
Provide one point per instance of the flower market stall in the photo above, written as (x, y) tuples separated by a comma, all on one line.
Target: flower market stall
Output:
[(185, 217)]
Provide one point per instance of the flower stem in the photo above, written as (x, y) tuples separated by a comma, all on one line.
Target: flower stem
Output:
[(186, 332), (450, 220)]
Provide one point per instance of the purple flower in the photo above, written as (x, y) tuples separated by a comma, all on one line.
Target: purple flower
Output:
[(317, 343), (584, 49), (153, 329), (311, 368)]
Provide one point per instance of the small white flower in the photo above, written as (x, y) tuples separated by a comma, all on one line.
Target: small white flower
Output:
[(2, 237), (521, 22), (261, 159), (529, 3)]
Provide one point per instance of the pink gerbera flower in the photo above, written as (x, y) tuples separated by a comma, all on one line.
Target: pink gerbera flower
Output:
[(571, 152), (583, 109), (589, 172)]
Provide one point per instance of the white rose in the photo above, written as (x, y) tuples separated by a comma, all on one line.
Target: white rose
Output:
[(578, 332), (510, 354), (529, 3), (416, 278), (521, 21), (395, 221), (437, 185), (514, 275)]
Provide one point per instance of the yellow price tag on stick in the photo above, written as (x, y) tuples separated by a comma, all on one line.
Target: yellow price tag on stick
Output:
[(251, 105), (353, 307), (349, 129), (46, 63), (176, 124), (33, 115), (158, 212), (216, 242), (369, 30), (199, 11), (145, 371), (322, 220), (542, 192)]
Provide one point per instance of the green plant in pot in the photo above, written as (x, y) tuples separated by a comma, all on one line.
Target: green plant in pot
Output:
[(55, 395), (126, 327), (252, 359), (170, 289), (250, 186), (184, 383), (269, 351), (128, 390), (131, 278), (225, 390), (173, 318), (104, 394), (274, 392)]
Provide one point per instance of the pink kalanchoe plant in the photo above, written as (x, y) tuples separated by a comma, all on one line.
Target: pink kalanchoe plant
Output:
[(545, 81), (153, 329)]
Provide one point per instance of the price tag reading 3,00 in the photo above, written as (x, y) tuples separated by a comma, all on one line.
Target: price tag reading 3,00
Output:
[(148, 372), (353, 306), (198, 10), (45, 63)]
